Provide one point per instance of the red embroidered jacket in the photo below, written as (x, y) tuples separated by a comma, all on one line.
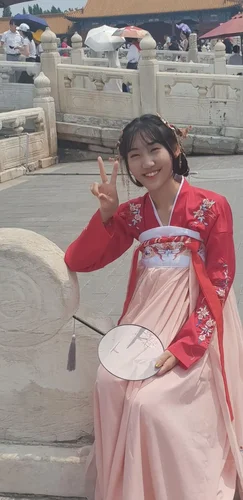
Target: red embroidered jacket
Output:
[(196, 209)]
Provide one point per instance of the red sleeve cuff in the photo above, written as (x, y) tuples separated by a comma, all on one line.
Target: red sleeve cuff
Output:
[(102, 230), (186, 354)]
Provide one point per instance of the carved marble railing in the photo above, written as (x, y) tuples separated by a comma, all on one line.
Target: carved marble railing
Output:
[(234, 70), (28, 138), (10, 69), (15, 121), (23, 141), (184, 67), (201, 100), (87, 90)]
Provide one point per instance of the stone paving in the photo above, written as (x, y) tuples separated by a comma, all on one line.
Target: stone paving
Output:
[(57, 203)]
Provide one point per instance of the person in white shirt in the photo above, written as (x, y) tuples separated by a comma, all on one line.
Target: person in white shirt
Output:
[(133, 55), (236, 59), (28, 48), (11, 40)]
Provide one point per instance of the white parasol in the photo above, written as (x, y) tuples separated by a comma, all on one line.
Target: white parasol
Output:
[(101, 39)]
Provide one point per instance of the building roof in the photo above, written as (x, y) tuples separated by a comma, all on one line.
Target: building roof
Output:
[(56, 22), (111, 8)]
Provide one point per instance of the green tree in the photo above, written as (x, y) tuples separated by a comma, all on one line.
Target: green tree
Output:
[(24, 11), (37, 10), (54, 10), (30, 9), (7, 12)]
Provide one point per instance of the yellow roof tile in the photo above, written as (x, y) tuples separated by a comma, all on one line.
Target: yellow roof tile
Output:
[(104, 8)]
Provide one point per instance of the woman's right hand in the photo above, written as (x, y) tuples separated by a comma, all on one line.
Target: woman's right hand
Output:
[(106, 191)]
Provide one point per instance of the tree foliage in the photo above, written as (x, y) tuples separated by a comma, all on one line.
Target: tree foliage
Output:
[(7, 12)]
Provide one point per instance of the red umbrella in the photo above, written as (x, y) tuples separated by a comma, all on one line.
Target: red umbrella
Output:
[(130, 32), (233, 27)]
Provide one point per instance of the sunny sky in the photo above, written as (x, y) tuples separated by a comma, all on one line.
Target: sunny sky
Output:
[(47, 4)]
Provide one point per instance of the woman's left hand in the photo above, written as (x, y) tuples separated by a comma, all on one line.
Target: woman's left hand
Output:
[(166, 362)]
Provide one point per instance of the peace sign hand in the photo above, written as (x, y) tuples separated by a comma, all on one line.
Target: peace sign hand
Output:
[(106, 191)]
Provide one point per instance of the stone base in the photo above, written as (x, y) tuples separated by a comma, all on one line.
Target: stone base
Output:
[(214, 145), (12, 173), (95, 140), (48, 162), (42, 470)]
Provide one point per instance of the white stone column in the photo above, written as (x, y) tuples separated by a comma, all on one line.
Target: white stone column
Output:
[(220, 59), (148, 69), (77, 57), (44, 100), (193, 50), (220, 91), (77, 52), (50, 58)]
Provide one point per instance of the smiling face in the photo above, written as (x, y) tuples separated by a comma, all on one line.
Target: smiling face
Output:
[(150, 163)]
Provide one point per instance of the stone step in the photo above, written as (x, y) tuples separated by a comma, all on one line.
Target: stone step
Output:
[(42, 471)]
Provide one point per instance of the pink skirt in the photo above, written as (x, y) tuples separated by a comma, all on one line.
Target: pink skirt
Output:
[(170, 437)]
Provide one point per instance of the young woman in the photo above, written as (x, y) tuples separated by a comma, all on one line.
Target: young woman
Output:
[(184, 40), (28, 49), (64, 45), (178, 435)]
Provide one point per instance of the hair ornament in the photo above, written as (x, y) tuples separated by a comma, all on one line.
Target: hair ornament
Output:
[(180, 132)]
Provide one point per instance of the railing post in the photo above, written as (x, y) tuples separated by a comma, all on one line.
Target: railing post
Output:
[(77, 57), (148, 69), (193, 50), (50, 58), (221, 92), (44, 100)]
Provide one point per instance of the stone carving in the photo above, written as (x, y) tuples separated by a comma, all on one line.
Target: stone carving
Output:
[(39, 297), (99, 79), (76, 41), (42, 85), (49, 41), (68, 80)]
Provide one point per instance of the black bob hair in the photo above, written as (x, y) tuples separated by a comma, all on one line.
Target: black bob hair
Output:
[(153, 129)]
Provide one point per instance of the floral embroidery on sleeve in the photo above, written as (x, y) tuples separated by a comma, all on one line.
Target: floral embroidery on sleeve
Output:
[(223, 284), (134, 216), (205, 323), (204, 212)]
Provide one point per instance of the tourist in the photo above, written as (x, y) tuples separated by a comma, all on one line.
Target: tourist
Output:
[(174, 45), (228, 46), (184, 41), (64, 45), (167, 41), (179, 434), (236, 58), (28, 49), (11, 40), (133, 56)]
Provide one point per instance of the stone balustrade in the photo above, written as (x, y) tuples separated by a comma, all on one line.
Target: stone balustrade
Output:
[(92, 109), (28, 137), (8, 69), (91, 112)]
